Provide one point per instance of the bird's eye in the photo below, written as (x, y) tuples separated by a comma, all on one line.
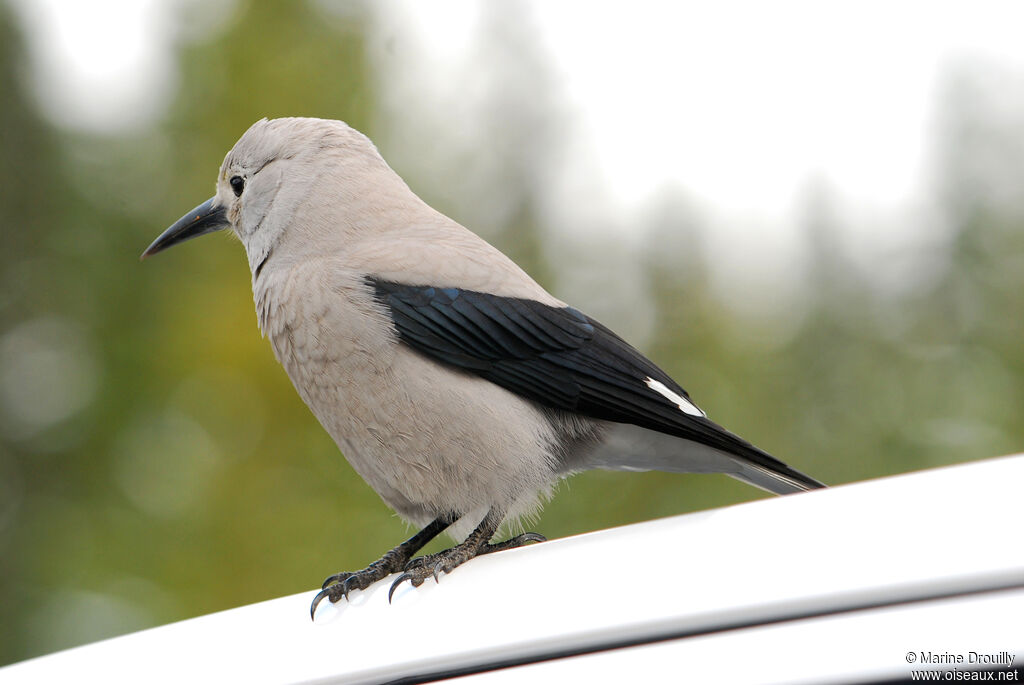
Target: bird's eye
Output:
[(237, 185)]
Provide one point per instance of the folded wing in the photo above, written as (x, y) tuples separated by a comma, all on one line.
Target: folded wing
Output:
[(561, 358)]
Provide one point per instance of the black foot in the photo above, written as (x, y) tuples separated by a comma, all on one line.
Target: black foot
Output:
[(421, 568), (340, 584)]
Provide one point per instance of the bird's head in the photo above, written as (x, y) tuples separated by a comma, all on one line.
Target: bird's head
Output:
[(268, 175)]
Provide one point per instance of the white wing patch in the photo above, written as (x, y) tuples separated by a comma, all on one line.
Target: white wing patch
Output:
[(685, 405)]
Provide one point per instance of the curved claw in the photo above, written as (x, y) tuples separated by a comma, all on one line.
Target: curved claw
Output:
[(316, 602), (415, 562), (532, 537), (437, 571), (394, 586), (336, 578)]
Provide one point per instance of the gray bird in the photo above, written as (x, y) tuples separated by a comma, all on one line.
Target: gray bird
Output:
[(454, 384)]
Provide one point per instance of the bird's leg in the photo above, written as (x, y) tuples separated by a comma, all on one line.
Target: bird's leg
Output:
[(421, 568), (340, 584)]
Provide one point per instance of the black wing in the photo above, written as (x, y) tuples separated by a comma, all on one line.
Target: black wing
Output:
[(556, 356)]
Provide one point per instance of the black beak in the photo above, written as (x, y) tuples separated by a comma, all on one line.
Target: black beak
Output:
[(206, 218)]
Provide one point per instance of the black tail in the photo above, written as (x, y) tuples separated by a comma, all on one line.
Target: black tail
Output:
[(761, 469)]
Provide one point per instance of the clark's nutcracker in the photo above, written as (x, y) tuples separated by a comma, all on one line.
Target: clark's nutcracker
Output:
[(454, 384)]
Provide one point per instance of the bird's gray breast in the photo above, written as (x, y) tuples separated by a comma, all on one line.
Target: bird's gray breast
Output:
[(427, 438)]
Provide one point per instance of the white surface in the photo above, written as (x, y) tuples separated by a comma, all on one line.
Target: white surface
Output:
[(922, 535), (860, 646)]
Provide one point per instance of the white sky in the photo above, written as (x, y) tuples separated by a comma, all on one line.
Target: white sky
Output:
[(101, 64), (745, 106), (795, 87), (742, 104)]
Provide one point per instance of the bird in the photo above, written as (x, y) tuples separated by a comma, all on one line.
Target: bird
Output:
[(454, 384)]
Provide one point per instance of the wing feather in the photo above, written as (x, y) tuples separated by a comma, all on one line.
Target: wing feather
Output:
[(558, 357)]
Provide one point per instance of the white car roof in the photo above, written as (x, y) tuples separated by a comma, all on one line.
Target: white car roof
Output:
[(880, 552)]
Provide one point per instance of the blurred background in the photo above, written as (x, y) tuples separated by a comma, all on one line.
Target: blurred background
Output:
[(810, 214)]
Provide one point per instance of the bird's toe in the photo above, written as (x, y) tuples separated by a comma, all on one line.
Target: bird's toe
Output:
[(336, 578)]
